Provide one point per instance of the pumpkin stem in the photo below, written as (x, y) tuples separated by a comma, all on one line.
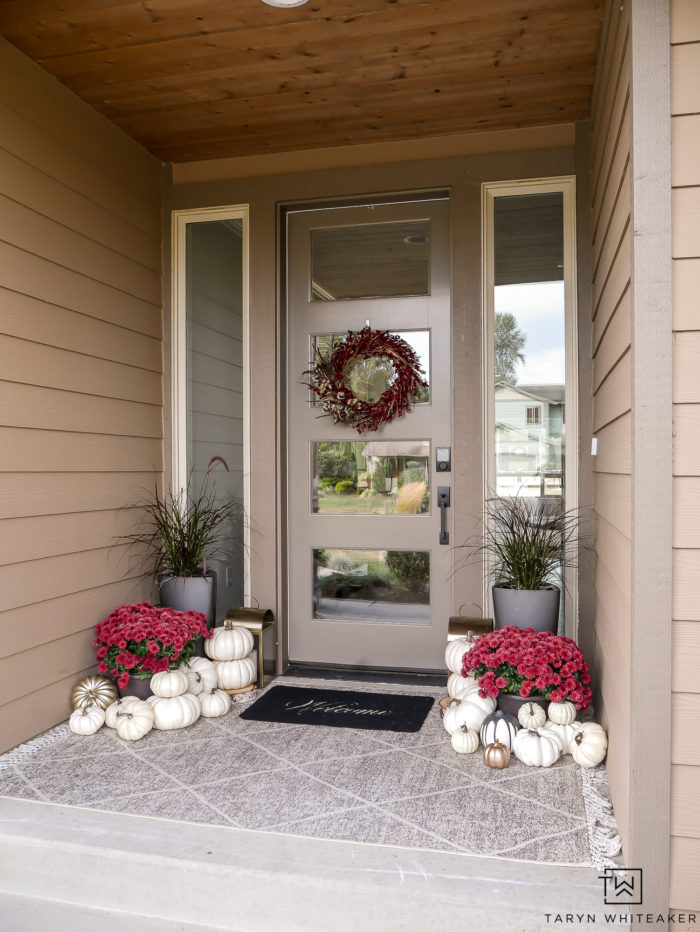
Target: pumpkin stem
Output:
[(228, 624), (465, 729)]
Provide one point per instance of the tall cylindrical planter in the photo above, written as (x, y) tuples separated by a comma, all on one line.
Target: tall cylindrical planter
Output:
[(526, 608), (191, 593), (137, 686)]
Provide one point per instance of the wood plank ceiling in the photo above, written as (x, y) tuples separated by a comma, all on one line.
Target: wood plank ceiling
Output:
[(204, 79)]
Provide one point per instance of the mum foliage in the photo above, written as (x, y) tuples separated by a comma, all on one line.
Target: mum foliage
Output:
[(139, 640), (528, 663)]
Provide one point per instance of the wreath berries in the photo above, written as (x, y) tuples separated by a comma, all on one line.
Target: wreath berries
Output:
[(326, 379)]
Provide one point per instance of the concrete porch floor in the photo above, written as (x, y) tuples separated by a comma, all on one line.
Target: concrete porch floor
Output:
[(394, 820)]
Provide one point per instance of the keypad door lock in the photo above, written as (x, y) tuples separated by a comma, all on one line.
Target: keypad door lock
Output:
[(443, 459)]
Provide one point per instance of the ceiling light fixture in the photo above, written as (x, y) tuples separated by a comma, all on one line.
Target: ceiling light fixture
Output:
[(285, 4)]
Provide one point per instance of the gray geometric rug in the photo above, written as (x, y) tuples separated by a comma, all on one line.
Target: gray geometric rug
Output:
[(410, 790)]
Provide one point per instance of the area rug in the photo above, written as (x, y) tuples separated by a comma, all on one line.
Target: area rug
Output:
[(295, 705)]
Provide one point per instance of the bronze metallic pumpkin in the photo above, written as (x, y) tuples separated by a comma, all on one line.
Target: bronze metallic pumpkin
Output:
[(497, 755), (94, 690)]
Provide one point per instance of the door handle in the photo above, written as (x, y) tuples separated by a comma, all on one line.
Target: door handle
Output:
[(443, 500)]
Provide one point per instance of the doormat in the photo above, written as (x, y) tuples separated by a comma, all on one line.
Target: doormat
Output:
[(340, 708)]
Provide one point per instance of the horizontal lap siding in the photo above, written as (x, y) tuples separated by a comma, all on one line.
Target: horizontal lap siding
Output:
[(612, 418), (81, 372), (685, 134)]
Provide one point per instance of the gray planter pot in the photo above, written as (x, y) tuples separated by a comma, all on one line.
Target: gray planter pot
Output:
[(191, 593), (511, 705), (526, 608)]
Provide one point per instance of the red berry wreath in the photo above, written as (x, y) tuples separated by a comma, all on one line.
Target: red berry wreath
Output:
[(326, 379)]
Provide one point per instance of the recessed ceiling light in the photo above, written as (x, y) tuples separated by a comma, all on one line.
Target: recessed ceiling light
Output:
[(416, 239), (285, 3)]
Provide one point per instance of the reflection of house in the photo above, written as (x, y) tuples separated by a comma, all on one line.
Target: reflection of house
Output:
[(529, 426), (399, 453)]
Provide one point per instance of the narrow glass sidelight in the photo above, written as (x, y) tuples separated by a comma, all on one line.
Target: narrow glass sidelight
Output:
[(378, 587)]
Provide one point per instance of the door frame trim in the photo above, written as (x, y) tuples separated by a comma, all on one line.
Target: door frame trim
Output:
[(178, 353)]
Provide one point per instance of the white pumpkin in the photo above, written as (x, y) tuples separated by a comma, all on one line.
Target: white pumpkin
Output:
[(499, 726), (169, 683), (458, 685), (229, 642), (469, 710), (87, 721), (562, 713), (588, 744), (564, 732), (176, 712), (214, 702), (134, 721), (454, 653), (235, 674), (532, 715), (112, 710), (464, 741), (540, 748), (201, 674)]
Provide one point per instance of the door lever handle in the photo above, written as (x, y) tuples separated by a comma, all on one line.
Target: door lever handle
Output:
[(443, 500)]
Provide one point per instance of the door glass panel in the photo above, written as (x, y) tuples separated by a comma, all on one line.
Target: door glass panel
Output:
[(372, 586), (368, 378), (376, 260), (370, 477)]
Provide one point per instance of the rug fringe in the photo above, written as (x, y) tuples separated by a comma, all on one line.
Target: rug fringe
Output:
[(31, 747), (604, 840)]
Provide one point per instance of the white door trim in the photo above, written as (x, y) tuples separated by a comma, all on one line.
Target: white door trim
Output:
[(178, 353)]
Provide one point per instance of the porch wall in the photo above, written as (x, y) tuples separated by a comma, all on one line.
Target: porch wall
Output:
[(685, 130), (81, 408), (612, 387)]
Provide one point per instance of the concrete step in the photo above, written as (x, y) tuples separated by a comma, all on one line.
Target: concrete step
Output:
[(209, 877)]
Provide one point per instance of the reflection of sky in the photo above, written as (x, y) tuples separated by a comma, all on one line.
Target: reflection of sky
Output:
[(419, 340), (538, 308)]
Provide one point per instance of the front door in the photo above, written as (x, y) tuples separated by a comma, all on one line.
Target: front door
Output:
[(369, 578)]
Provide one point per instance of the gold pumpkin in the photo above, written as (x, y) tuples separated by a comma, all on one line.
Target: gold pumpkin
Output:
[(497, 755), (93, 690)]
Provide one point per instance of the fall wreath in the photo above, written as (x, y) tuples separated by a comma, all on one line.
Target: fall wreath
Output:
[(327, 378)]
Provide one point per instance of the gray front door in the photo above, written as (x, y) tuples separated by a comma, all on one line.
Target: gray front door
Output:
[(369, 580)]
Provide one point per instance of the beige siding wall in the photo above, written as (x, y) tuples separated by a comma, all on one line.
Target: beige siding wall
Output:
[(81, 395), (612, 381), (685, 773)]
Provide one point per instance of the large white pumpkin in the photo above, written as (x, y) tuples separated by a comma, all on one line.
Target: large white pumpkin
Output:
[(229, 642), (539, 748), (177, 712), (564, 732), (87, 720), (454, 653), (588, 744), (458, 685), (115, 708), (235, 674), (169, 683), (469, 710), (134, 721), (201, 674)]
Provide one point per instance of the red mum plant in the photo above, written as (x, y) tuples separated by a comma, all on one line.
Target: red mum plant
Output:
[(140, 640), (528, 663)]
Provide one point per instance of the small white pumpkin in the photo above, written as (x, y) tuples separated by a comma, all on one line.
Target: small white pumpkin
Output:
[(562, 713), (113, 710), (201, 674), (454, 653), (176, 712), (564, 732), (236, 674), (87, 721), (464, 741), (214, 702), (469, 710), (169, 683), (229, 642), (540, 748), (532, 715), (134, 721), (588, 744), (499, 726)]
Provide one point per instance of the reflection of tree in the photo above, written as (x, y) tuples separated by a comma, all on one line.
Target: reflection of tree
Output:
[(508, 343), (410, 567), (369, 378)]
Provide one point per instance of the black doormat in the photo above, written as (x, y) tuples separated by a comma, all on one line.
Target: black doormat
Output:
[(340, 708)]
